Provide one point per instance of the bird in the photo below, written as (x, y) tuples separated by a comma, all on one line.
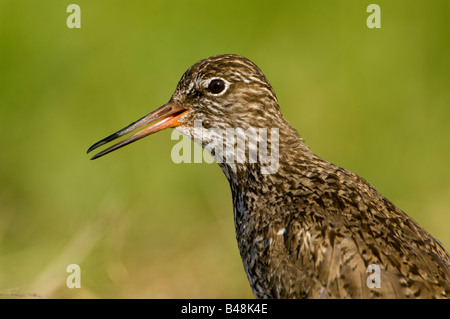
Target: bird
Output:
[(305, 228)]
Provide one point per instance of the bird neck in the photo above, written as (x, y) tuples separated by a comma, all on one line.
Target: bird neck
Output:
[(269, 158), (255, 187)]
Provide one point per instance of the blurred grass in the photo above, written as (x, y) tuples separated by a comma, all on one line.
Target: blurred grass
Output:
[(373, 101)]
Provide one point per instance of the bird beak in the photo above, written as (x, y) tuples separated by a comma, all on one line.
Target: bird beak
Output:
[(166, 116)]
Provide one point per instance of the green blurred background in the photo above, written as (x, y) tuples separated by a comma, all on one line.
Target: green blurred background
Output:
[(375, 101)]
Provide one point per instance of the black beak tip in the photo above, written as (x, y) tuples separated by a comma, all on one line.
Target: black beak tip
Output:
[(93, 147), (90, 149)]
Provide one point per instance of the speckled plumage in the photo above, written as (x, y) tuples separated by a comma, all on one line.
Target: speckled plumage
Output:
[(311, 229)]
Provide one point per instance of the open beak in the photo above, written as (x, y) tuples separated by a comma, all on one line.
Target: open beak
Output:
[(166, 116)]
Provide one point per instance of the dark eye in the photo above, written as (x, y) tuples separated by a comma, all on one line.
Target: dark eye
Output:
[(216, 86)]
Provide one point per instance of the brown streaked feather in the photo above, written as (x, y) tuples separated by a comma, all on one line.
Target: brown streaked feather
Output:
[(311, 229)]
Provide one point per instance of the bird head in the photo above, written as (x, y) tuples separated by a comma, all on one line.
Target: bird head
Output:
[(218, 93)]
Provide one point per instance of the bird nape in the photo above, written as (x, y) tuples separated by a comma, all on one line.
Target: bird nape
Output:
[(305, 227)]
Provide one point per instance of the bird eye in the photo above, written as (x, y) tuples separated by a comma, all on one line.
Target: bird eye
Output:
[(216, 86)]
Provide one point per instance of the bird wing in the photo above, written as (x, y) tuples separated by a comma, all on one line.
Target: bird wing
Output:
[(335, 234)]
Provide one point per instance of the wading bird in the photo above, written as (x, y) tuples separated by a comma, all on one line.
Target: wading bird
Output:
[(308, 229)]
